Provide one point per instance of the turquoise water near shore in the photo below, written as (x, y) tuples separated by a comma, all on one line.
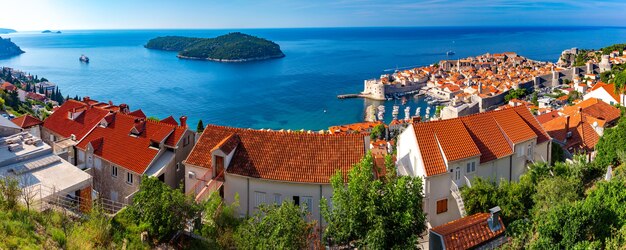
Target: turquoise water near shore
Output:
[(292, 92)]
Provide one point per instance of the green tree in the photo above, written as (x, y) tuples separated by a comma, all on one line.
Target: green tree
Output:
[(554, 191), (378, 132), (613, 141), (163, 210), (374, 213), (534, 99), (275, 227), (220, 221), (515, 94), (620, 82), (200, 127)]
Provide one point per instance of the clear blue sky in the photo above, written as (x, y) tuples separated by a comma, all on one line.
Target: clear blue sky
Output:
[(179, 14)]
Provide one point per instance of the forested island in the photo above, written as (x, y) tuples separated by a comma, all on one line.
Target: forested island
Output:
[(6, 31), (232, 47), (8, 48)]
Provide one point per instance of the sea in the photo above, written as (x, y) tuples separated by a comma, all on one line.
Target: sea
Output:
[(296, 92)]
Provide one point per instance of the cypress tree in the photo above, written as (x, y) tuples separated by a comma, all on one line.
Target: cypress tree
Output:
[(200, 127)]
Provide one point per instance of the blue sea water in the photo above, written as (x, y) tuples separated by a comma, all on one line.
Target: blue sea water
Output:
[(292, 92)]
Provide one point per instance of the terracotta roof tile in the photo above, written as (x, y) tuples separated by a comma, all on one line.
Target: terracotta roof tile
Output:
[(543, 118), (293, 157), (115, 143), (490, 140), (170, 120), (59, 122), (454, 139), (468, 232), (531, 121), (429, 149), (512, 125), (483, 134), (26, 121)]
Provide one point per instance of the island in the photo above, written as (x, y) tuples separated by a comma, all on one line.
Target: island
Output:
[(6, 31), (232, 47), (49, 31), (8, 48)]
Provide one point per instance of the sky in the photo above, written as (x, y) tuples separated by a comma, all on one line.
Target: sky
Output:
[(30, 15)]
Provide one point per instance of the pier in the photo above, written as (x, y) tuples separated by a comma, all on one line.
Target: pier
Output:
[(348, 96)]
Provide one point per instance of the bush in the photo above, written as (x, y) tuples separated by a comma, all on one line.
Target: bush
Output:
[(275, 227), (59, 236)]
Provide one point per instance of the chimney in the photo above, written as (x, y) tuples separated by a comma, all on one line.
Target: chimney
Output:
[(110, 103), (86, 99), (493, 220), (124, 108), (183, 121)]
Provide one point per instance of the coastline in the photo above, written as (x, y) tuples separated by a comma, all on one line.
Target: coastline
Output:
[(232, 60)]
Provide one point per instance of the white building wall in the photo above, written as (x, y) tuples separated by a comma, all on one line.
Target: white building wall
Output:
[(269, 191), (192, 175), (439, 188), (603, 95)]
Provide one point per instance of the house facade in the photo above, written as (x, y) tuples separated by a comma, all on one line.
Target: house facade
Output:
[(264, 167), (118, 146), (606, 93), (448, 154)]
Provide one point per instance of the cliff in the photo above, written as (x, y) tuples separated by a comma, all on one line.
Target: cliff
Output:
[(8, 48)]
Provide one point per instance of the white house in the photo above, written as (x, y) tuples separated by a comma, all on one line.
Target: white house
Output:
[(264, 167), (606, 93), (448, 154)]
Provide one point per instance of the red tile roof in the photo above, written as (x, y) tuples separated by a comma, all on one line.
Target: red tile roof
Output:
[(116, 144), (281, 156), (468, 232), (451, 134), (59, 122), (531, 121), (512, 125), (492, 145), (170, 120), (485, 134), (429, 148), (26, 121), (138, 113), (583, 135), (543, 118)]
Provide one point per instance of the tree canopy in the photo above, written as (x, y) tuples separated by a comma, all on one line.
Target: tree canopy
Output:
[(374, 213), (232, 46)]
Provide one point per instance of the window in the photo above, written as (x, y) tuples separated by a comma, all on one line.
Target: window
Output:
[(296, 200), (114, 171), (186, 141), (129, 178), (277, 199), (177, 167), (52, 138), (471, 167), (458, 173), (529, 151), (308, 202), (442, 206), (259, 198), (520, 151)]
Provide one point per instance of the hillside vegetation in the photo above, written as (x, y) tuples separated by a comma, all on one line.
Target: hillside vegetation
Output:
[(231, 47)]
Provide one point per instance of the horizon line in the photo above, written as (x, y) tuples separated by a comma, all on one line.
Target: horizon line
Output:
[(341, 27)]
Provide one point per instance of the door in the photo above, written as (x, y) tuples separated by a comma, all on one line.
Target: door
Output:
[(219, 165)]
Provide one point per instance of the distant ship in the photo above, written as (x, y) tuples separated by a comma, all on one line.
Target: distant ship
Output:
[(84, 59), (450, 52)]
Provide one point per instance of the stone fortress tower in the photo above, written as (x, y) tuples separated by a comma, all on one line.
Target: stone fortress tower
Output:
[(605, 64)]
